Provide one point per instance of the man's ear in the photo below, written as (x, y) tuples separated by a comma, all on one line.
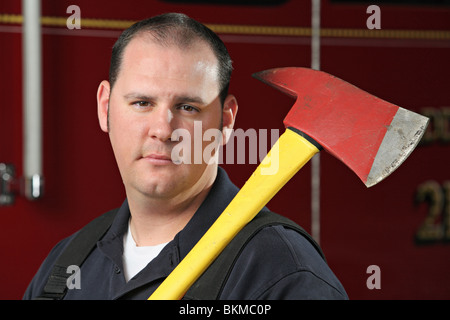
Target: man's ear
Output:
[(230, 108), (103, 104)]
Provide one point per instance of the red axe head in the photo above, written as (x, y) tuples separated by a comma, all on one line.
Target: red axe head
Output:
[(370, 135)]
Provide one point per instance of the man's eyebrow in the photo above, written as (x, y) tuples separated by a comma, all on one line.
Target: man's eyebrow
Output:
[(136, 95), (178, 99), (190, 99)]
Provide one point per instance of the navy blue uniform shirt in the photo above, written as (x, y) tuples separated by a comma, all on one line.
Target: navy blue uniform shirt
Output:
[(277, 263)]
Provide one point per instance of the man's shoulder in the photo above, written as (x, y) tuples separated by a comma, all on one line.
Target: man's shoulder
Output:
[(284, 236), (284, 244), (281, 263), (40, 278)]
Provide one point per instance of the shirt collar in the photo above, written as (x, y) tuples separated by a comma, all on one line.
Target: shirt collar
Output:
[(220, 195)]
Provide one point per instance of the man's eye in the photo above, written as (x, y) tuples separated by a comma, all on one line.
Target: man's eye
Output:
[(188, 108), (141, 104)]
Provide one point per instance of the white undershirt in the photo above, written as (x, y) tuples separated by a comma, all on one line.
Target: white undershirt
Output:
[(136, 258)]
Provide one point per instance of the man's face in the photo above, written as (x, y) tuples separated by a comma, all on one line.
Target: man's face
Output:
[(158, 90)]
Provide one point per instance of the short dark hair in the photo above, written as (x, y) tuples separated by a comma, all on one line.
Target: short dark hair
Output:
[(175, 29)]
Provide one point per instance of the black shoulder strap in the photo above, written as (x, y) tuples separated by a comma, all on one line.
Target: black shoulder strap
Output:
[(209, 286), (75, 254)]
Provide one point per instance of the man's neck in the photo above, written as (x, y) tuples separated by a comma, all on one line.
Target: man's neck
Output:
[(156, 221)]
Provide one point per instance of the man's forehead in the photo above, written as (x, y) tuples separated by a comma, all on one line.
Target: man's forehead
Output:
[(169, 42), (149, 69), (173, 37), (144, 57), (146, 47)]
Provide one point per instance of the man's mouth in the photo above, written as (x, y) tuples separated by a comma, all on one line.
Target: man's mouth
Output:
[(158, 159)]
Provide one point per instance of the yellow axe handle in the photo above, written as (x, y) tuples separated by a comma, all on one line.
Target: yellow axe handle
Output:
[(287, 156)]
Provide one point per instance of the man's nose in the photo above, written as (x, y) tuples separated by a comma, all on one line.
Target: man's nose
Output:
[(160, 124)]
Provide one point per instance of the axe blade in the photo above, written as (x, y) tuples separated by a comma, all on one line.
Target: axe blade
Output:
[(369, 135)]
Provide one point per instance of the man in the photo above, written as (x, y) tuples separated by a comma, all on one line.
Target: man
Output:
[(170, 73)]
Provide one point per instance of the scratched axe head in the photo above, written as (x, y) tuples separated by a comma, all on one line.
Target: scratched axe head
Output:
[(371, 136)]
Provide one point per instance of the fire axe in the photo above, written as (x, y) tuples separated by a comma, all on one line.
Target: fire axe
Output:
[(369, 135)]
